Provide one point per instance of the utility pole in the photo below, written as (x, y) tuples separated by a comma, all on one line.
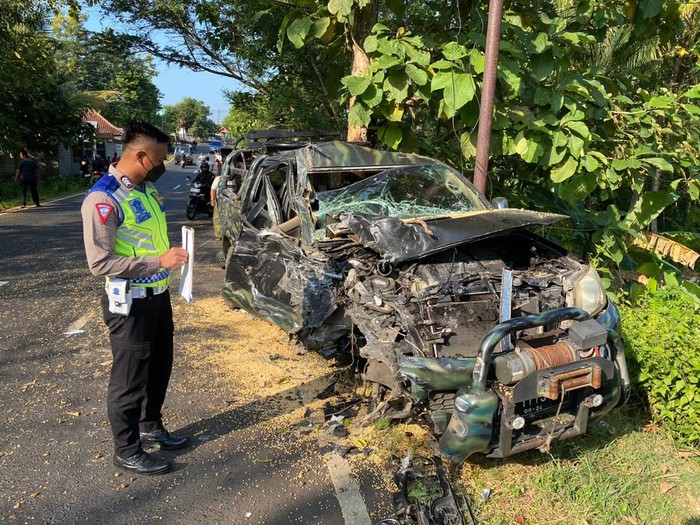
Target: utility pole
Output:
[(488, 93)]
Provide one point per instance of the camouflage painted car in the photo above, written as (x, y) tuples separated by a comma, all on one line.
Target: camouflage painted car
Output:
[(460, 315)]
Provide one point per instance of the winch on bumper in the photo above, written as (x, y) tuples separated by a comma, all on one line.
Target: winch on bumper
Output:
[(546, 388)]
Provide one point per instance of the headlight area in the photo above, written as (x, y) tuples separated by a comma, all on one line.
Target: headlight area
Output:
[(587, 292)]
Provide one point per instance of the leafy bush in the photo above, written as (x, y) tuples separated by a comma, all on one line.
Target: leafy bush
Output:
[(662, 336)]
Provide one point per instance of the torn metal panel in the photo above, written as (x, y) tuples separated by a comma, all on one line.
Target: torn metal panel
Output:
[(398, 241)]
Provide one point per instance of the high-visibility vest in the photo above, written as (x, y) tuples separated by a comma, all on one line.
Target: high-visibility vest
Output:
[(142, 229)]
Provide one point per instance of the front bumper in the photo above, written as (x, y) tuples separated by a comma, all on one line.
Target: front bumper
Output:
[(498, 420)]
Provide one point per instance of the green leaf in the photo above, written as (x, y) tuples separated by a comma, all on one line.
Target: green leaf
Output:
[(572, 117), (385, 62), (650, 8), (553, 156), (442, 64), (468, 145), (564, 171), (359, 115), (392, 136), (579, 128), (520, 143), (541, 97), (533, 153), (454, 51), (559, 139), (660, 164), (396, 86), (693, 92), (579, 187), (342, 9), (372, 96), (297, 31), (380, 28), (456, 94), (419, 76), (356, 85), (283, 29), (572, 38), (320, 27), (540, 42), (694, 191), (542, 65), (648, 207), (476, 58), (370, 44), (590, 163), (620, 164), (575, 145), (557, 102), (441, 80), (662, 102)]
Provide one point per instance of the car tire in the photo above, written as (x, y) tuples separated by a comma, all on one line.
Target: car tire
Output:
[(191, 210)]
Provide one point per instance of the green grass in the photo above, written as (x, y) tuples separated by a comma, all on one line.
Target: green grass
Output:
[(51, 188), (624, 471)]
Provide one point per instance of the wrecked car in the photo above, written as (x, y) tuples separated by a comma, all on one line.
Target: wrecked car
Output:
[(457, 313)]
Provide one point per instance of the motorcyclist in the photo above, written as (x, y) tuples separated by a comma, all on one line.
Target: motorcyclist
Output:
[(204, 175)]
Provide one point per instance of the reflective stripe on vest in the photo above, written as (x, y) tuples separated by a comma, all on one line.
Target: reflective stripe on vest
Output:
[(143, 231)]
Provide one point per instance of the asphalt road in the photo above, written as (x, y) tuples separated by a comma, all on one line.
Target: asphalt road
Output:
[(55, 443)]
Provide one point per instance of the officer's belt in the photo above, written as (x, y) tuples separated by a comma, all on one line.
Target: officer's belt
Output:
[(140, 292)]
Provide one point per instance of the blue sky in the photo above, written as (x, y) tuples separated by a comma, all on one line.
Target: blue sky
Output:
[(176, 83)]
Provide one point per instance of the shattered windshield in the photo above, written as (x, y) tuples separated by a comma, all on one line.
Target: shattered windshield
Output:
[(411, 191)]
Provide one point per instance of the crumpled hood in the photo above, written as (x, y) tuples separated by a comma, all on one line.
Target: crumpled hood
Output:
[(398, 240)]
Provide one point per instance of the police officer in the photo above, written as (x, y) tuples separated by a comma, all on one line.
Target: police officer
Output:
[(126, 240)]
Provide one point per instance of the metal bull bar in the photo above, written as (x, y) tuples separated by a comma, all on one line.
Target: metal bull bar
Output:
[(505, 328)]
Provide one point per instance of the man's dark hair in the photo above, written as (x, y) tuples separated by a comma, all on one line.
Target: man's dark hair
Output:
[(24, 152), (135, 128)]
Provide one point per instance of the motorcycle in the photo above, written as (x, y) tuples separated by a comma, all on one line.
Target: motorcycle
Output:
[(199, 201), (95, 176)]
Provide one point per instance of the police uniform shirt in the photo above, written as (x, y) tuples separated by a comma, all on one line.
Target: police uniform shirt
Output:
[(101, 217)]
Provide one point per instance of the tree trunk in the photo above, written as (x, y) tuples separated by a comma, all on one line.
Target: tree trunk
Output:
[(365, 19)]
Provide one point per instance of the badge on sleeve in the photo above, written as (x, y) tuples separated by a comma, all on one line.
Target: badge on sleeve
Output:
[(104, 210)]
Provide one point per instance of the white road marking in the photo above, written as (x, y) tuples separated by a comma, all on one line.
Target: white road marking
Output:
[(348, 492), (176, 187), (76, 327), (2, 283)]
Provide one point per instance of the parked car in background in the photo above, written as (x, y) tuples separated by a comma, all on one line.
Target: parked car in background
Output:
[(456, 312)]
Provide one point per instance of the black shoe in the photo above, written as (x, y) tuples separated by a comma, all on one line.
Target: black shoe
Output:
[(164, 439), (39, 206), (142, 463)]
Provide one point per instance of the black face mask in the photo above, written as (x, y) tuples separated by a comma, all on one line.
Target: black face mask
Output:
[(155, 174)]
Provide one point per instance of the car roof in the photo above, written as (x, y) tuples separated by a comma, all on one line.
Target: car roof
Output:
[(336, 154)]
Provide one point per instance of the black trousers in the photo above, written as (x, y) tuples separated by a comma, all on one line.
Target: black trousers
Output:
[(142, 359), (31, 186)]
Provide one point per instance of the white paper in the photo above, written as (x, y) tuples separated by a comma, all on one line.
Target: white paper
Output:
[(187, 269)]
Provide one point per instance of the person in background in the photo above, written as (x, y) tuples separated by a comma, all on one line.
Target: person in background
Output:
[(115, 158), (97, 165), (215, 217), (85, 168), (27, 177), (126, 241)]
